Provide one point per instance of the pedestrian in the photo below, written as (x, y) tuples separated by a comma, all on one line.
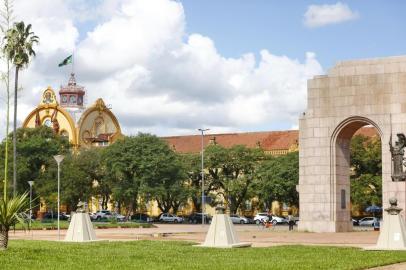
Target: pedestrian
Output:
[(291, 222), (376, 224)]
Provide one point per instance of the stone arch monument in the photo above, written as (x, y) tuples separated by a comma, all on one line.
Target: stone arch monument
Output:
[(353, 94)]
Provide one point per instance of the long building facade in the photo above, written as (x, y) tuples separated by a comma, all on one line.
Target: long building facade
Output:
[(97, 126)]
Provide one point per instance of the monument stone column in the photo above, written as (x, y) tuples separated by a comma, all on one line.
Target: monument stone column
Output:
[(351, 95)]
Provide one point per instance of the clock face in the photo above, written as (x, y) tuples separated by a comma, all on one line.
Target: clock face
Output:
[(72, 99), (64, 99), (48, 122)]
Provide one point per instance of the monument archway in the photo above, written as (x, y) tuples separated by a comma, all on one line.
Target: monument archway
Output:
[(340, 156), (353, 94)]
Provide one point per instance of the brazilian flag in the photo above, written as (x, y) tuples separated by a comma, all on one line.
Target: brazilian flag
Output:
[(67, 60)]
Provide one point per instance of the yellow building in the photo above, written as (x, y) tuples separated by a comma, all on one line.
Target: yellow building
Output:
[(95, 125)]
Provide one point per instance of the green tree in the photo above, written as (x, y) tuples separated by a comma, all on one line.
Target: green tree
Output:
[(277, 178), (144, 166), (162, 174), (76, 183), (20, 41), (10, 210), (193, 170), (122, 166), (366, 190), (92, 163), (365, 155), (366, 165), (37, 146), (232, 172)]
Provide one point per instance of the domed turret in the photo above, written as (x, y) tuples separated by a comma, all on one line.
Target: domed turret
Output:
[(71, 97)]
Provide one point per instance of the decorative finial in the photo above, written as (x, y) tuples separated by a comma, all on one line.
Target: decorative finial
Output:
[(220, 209), (80, 207), (72, 80), (393, 201), (393, 209)]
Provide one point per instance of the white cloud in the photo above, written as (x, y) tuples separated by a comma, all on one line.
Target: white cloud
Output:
[(159, 78), (321, 15)]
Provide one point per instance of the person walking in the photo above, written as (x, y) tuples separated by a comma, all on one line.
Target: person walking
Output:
[(291, 222)]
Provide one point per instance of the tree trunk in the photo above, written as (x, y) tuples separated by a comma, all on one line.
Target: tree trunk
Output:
[(15, 135), (198, 206), (175, 206), (3, 239), (7, 130)]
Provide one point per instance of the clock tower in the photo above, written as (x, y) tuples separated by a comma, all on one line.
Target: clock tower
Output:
[(71, 97)]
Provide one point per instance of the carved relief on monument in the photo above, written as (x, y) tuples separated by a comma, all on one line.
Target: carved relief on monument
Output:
[(49, 97), (98, 126), (398, 160)]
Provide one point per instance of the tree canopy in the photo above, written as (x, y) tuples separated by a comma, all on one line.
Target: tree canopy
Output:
[(366, 178), (277, 180), (36, 148)]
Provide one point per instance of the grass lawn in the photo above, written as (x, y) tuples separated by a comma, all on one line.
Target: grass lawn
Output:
[(182, 255)]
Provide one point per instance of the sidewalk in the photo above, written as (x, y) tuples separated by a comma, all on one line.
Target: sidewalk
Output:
[(278, 235), (398, 266)]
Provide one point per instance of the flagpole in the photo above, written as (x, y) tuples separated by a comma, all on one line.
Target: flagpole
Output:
[(73, 62)]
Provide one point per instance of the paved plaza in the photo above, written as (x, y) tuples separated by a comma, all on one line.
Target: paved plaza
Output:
[(259, 236)]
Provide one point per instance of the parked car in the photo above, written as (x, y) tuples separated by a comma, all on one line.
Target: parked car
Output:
[(54, 215), (278, 220), (139, 217), (366, 221), (355, 222), (118, 217), (197, 218), (166, 217), (102, 214), (239, 219), (261, 217)]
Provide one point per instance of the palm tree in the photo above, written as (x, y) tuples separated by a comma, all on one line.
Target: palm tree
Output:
[(6, 13), (10, 210), (18, 49)]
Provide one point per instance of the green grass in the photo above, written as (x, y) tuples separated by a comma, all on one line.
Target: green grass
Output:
[(52, 225), (181, 255)]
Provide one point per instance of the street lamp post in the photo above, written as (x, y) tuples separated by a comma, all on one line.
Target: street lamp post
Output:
[(31, 183), (203, 200), (58, 159)]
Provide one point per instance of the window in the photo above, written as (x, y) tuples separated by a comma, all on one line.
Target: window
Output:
[(72, 99)]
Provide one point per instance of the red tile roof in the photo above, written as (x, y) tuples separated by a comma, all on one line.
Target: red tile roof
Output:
[(367, 131), (268, 140), (103, 137)]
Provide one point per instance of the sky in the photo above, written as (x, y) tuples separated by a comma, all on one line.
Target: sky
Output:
[(170, 67)]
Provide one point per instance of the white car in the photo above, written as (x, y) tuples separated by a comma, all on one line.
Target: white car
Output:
[(239, 219), (261, 217), (118, 217), (366, 221), (166, 217), (102, 214), (278, 220)]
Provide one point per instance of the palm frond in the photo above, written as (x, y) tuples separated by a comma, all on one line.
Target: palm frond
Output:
[(11, 209), (19, 44)]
